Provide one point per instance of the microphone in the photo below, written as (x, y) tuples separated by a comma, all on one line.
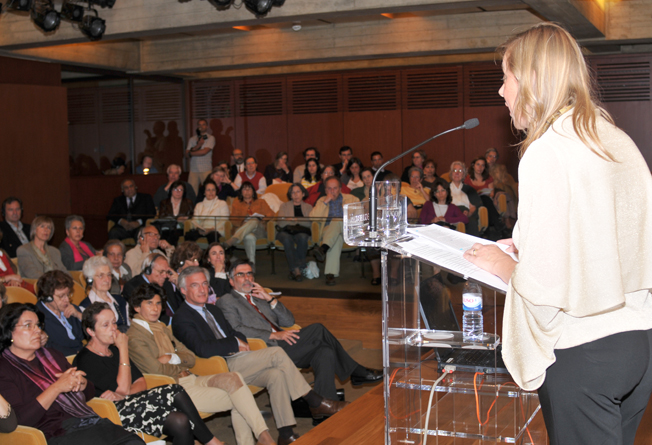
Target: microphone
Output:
[(373, 200)]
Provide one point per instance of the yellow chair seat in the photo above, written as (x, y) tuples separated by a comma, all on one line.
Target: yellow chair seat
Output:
[(19, 295), (23, 435)]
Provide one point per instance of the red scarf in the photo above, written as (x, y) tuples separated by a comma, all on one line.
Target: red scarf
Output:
[(77, 254)]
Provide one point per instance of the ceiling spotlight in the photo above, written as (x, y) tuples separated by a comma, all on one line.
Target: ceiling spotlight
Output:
[(45, 16), (20, 5), (103, 3), (222, 3), (92, 27), (261, 7), (72, 12)]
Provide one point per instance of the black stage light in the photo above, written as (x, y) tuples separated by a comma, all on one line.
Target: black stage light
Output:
[(262, 7), (20, 5), (72, 12), (93, 27), (222, 3), (103, 3), (45, 16)]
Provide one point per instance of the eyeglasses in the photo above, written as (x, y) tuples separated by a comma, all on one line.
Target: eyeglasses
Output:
[(29, 326), (101, 276), (155, 235), (457, 170), (178, 189), (242, 274)]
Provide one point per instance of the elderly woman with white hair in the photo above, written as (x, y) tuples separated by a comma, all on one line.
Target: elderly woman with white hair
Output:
[(98, 272), (73, 250), (37, 257)]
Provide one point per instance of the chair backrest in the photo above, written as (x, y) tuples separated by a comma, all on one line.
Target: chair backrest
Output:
[(15, 261), (209, 366), (78, 293), (19, 295), (154, 380), (446, 176), (106, 409), (78, 277), (23, 435), (279, 190), (256, 344)]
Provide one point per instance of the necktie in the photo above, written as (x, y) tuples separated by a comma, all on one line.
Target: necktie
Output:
[(212, 324), (274, 327)]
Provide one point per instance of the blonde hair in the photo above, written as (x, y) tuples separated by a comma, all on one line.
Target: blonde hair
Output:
[(552, 74)]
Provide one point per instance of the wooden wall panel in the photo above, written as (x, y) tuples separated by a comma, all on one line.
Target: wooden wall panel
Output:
[(324, 131), (634, 118), (27, 72), (34, 134), (261, 136), (369, 131)]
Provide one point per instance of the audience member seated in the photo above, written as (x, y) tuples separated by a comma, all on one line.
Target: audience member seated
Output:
[(3, 295), (114, 250), (165, 409), (237, 163), (224, 185), (156, 270), (491, 155), (376, 162), (299, 172), (118, 167), (62, 318), (38, 257), (247, 213), (439, 209), (98, 269), (44, 390), (154, 350), (186, 255), (8, 420), (367, 176), (251, 175), (147, 166), (210, 215), (174, 173), (345, 154), (130, 211), (429, 174), (252, 311), (217, 265), (416, 192), (73, 250), (502, 186), (319, 189), (351, 176), (204, 330), (331, 239), (15, 232), (418, 158), (293, 231), (149, 241), (465, 196), (173, 211), (312, 173), (279, 170), (8, 274), (479, 178)]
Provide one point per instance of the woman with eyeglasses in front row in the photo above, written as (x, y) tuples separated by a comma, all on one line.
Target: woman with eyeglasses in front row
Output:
[(44, 390)]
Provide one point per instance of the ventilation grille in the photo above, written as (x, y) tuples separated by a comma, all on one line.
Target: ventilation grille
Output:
[(624, 82), (315, 96), (261, 99), (212, 100), (162, 103), (114, 105), (435, 89), (81, 107), (372, 93), (482, 87)]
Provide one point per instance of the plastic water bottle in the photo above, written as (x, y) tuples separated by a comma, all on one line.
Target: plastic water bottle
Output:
[(472, 328)]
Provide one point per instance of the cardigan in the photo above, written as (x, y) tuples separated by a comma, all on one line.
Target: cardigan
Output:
[(453, 214), (29, 264), (585, 248)]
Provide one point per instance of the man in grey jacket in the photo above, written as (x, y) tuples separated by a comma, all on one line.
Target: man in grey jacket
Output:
[(252, 311)]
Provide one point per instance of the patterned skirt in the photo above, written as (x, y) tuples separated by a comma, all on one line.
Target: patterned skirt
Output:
[(147, 410)]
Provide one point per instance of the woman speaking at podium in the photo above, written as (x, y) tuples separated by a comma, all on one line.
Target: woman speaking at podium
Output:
[(578, 313)]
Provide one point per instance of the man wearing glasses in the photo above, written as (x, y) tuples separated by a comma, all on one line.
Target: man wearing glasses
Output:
[(149, 241), (255, 313), (63, 330)]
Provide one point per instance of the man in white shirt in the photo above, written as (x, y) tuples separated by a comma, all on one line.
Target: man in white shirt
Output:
[(149, 241), (200, 151)]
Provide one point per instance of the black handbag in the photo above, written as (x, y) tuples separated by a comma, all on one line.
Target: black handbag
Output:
[(294, 229)]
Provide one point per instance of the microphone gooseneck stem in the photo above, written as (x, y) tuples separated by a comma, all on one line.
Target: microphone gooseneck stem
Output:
[(373, 200)]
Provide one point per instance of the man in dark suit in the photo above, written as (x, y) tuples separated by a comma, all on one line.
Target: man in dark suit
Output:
[(130, 211), (14, 232), (156, 270), (252, 311), (346, 153), (204, 330), (62, 318), (238, 163)]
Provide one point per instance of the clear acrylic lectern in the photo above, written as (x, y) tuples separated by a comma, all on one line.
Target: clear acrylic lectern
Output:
[(422, 404)]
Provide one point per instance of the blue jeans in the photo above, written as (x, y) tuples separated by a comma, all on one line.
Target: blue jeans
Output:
[(296, 256)]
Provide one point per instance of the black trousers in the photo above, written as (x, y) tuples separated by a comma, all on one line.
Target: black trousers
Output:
[(596, 393), (319, 349)]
